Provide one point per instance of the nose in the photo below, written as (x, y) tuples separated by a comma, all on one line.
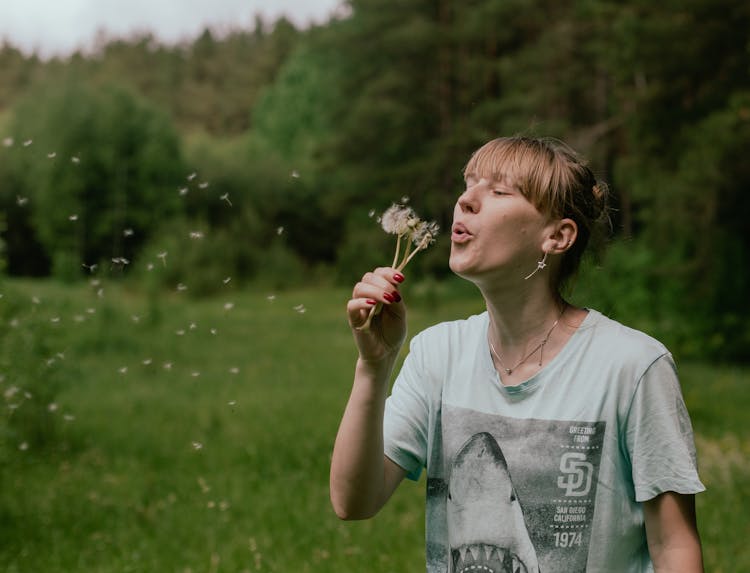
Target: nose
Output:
[(469, 200)]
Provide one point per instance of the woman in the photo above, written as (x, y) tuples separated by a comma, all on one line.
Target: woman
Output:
[(555, 439)]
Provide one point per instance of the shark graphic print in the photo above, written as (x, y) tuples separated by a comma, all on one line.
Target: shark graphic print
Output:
[(514, 495)]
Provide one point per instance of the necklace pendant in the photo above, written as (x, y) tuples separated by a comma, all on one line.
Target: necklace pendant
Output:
[(509, 371)]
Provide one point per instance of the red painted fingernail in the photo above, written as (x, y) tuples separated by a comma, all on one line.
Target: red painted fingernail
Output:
[(371, 301), (389, 297), (396, 297), (398, 277)]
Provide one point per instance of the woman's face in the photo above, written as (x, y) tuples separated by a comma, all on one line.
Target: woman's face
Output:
[(497, 233)]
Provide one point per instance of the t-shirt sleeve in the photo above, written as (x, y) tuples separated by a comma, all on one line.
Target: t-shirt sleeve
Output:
[(405, 425), (659, 435)]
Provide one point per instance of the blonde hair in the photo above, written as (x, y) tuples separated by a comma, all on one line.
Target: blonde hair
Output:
[(554, 178)]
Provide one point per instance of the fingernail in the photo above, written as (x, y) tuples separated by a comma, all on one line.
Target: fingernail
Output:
[(371, 301), (389, 297), (398, 277), (396, 297)]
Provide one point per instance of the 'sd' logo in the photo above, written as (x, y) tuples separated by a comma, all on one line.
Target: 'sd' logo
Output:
[(578, 474)]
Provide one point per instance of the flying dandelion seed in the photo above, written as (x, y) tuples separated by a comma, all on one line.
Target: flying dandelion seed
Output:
[(75, 159), (197, 446), (163, 257), (223, 505), (226, 280), (8, 142), (279, 230), (95, 282), (182, 191), (300, 308), (404, 199), (60, 355), (150, 266), (52, 407), (73, 217), (23, 446), (205, 488), (195, 374), (371, 213), (181, 287), (51, 155), (225, 197), (192, 176), (89, 268), (228, 305), (167, 366), (54, 319), (294, 174), (35, 300), (135, 318), (271, 297), (50, 361), (146, 362), (91, 310), (128, 233), (203, 185), (232, 403), (180, 332), (196, 235), (123, 370), (213, 331), (78, 318), (68, 417), (193, 326), (211, 505), (28, 142), (234, 370), (21, 201), (14, 323)]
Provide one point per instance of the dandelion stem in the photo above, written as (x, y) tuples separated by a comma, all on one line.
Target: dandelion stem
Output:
[(398, 248)]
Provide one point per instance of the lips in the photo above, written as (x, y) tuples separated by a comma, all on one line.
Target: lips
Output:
[(460, 234)]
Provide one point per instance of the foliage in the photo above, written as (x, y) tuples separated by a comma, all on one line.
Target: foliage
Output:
[(97, 171)]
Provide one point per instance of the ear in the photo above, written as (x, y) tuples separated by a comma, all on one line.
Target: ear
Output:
[(561, 236)]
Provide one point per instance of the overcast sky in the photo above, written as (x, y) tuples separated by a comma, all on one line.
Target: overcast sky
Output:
[(59, 27)]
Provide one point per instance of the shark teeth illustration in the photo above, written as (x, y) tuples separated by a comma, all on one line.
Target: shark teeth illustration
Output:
[(483, 558)]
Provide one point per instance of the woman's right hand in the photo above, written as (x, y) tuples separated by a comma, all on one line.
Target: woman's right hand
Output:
[(387, 330)]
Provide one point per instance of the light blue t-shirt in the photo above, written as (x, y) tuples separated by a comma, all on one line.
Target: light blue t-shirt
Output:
[(549, 475)]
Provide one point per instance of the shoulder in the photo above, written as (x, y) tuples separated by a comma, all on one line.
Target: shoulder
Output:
[(453, 333), (608, 331)]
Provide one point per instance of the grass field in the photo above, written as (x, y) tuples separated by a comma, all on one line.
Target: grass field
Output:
[(174, 435)]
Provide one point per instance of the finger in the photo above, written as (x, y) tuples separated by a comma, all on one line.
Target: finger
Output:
[(358, 308), (378, 289)]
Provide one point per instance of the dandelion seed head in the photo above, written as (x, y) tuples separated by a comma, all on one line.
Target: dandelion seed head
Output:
[(425, 233), (396, 219)]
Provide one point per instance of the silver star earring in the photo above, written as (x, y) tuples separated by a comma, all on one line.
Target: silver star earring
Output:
[(539, 266)]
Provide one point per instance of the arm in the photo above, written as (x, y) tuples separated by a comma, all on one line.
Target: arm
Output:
[(672, 533), (362, 478)]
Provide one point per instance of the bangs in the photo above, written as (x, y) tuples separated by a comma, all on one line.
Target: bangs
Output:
[(526, 164)]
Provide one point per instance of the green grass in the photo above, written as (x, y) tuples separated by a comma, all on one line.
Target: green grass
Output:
[(202, 467)]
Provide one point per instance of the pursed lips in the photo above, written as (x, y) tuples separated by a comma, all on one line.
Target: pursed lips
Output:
[(460, 234)]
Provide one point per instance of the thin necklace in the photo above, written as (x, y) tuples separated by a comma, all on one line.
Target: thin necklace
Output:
[(538, 347)]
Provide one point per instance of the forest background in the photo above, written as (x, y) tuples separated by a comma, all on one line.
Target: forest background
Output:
[(308, 132)]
